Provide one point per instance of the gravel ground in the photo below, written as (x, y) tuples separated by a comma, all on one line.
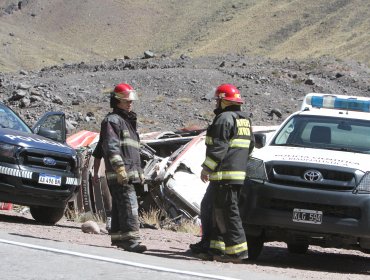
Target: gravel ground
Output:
[(318, 263), (176, 93)]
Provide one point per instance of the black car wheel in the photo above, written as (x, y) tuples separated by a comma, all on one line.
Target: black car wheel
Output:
[(297, 248), (46, 215), (255, 246)]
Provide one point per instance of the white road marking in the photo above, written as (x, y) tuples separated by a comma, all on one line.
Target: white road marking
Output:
[(117, 261)]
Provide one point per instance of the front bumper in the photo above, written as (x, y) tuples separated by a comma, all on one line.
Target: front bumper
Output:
[(269, 208), (20, 186)]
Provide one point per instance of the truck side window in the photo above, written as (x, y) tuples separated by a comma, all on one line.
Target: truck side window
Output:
[(283, 136)]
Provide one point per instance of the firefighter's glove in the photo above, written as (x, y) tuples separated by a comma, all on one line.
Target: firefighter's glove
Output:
[(142, 178), (204, 175), (122, 175)]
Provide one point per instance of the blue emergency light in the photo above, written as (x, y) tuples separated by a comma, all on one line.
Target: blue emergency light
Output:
[(350, 103)]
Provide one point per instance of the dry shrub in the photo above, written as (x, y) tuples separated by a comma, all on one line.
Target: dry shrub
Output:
[(178, 224), (150, 217), (189, 226), (84, 216)]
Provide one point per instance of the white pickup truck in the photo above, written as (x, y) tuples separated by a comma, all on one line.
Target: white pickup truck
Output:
[(310, 182)]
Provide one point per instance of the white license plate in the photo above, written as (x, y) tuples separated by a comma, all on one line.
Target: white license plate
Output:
[(50, 179), (307, 216)]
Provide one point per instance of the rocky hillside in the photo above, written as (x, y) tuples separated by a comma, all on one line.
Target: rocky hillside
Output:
[(35, 33), (176, 93)]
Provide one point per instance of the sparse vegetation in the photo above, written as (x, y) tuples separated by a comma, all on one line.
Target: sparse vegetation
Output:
[(159, 98), (277, 29), (72, 215), (185, 100), (150, 217), (153, 217)]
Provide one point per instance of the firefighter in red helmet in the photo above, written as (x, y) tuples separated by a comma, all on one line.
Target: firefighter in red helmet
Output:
[(120, 147), (229, 141)]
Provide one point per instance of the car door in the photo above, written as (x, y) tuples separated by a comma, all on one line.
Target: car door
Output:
[(52, 125)]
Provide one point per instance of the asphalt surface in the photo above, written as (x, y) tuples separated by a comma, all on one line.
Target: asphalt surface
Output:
[(24, 257)]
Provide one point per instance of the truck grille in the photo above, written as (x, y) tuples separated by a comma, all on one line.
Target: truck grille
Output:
[(31, 158), (293, 175)]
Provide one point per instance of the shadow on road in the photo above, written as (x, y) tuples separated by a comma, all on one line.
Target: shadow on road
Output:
[(179, 255), (316, 259), (24, 220)]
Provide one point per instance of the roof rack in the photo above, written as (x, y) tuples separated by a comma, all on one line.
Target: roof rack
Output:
[(333, 101)]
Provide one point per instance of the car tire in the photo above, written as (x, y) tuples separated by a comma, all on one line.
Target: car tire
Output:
[(255, 246), (297, 248), (46, 215)]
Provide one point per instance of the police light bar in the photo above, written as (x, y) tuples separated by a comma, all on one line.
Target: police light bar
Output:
[(330, 101)]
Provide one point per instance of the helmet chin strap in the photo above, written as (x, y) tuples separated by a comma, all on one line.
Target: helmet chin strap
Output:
[(226, 103)]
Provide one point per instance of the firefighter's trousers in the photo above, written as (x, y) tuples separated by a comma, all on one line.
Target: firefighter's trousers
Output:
[(206, 212), (125, 214), (228, 235)]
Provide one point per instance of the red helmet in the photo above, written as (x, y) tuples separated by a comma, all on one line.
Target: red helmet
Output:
[(228, 92), (125, 92)]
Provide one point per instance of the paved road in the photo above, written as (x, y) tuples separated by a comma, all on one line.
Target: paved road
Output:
[(24, 257)]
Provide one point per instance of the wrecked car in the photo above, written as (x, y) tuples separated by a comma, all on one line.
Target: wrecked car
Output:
[(172, 166), (37, 168)]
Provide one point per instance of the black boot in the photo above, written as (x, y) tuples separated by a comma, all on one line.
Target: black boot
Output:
[(131, 246), (201, 247), (234, 258)]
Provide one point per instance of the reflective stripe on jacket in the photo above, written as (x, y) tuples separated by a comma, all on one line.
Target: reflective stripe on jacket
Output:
[(229, 142)]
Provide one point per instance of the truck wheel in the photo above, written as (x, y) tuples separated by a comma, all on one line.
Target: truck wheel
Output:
[(255, 246), (46, 215), (297, 248)]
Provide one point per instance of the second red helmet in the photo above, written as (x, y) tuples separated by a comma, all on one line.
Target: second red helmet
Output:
[(228, 92)]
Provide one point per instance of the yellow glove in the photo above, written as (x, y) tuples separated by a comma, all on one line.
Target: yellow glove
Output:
[(122, 175)]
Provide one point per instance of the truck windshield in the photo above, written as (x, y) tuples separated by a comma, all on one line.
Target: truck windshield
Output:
[(9, 119), (325, 133)]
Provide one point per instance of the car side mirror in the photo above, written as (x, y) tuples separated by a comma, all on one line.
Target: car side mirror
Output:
[(260, 140)]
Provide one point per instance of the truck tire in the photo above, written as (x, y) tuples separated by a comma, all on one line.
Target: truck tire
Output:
[(46, 215), (255, 246), (297, 248)]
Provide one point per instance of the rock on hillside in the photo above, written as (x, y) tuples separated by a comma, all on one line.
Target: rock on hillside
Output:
[(176, 93)]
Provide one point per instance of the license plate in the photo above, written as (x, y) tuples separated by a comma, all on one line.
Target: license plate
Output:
[(50, 179), (307, 216)]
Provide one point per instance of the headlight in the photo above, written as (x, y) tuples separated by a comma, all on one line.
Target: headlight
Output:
[(364, 185), (256, 169), (8, 152)]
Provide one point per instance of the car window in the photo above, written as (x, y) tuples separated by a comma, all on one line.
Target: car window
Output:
[(9, 119), (325, 132)]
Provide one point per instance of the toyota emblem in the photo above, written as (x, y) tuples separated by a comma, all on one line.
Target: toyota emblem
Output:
[(312, 175)]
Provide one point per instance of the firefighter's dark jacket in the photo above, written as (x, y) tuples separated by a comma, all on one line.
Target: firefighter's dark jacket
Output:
[(229, 142), (121, 144)]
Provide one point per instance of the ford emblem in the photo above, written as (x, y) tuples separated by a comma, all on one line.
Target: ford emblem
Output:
[(49, 161), (312, 175)]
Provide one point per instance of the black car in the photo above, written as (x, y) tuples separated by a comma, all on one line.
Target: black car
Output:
[(37, 168)]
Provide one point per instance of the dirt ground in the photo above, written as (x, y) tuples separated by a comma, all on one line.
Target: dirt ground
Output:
[(318, 263)]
